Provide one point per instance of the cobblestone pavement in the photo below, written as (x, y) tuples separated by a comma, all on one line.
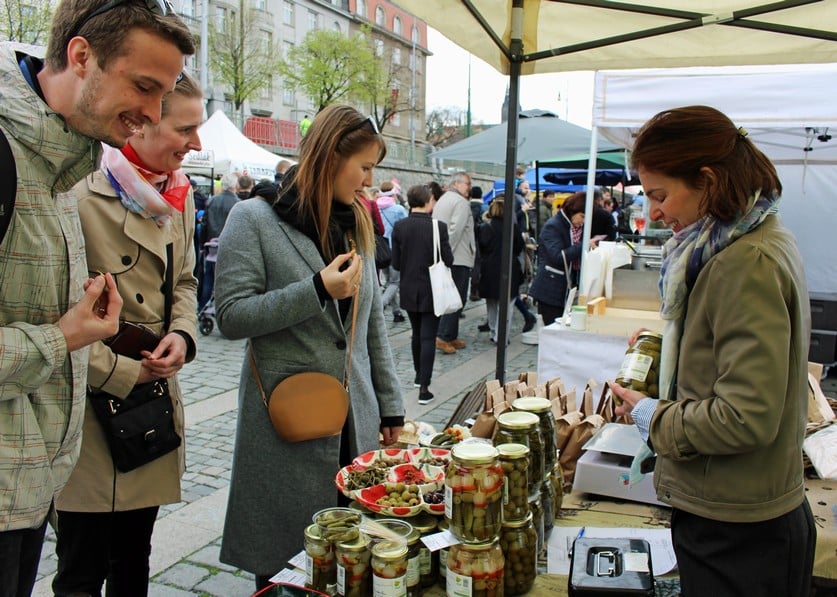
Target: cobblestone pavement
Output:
[(184, 563)]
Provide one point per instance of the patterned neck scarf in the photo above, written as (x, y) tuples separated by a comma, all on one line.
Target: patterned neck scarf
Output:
[(575, 235)]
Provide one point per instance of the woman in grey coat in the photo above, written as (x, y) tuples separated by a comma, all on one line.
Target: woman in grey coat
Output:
[(286, 277)]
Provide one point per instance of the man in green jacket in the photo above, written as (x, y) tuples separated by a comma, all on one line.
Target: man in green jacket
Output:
[(102, 79)]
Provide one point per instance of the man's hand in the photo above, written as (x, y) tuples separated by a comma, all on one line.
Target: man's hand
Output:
[(95, 317), (629, 398), (167, 359)]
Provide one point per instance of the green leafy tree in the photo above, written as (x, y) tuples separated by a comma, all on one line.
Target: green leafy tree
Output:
[(243, 55), (25, 21), (327, 67)]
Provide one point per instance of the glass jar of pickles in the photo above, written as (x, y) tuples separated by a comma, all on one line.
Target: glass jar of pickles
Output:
[(443, 556), (353, 571), (414, 564), (426, 524), (518, 427), (514, 460), (474, 492), (641, 366), (519, 543), (389, 569), (549, 436), (475, 570), (548, 506), (320, 564)]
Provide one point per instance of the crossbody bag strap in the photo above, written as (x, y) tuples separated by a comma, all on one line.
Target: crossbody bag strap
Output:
[(169, 288), (437, 249)]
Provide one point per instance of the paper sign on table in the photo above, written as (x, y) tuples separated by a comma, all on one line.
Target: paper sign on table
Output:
[(298, 561), (438, 541), (287, 575)]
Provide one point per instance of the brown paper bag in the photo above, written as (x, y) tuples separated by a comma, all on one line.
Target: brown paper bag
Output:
[(606, 406), (574, 447), (564, 427)]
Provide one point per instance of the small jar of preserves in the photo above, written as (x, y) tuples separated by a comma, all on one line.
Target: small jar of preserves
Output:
[(443, 556), (548, 505), (519, 543), (389, 569), (426, 524), (518, 427), (476, 570), (320, 563), (549, 436), (474, 493), (537, 521), (414, 564), (640, 368), (353, 567), (514, 460)]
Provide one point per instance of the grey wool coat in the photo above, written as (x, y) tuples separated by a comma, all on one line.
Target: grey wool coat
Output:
[(264, 291)]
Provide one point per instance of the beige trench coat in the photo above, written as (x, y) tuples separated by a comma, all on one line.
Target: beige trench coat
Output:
[(133, 249)]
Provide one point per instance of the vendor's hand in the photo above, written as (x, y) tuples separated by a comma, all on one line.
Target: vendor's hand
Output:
[(636, 334), (168, 358), (628, 397), (390, 434), (340, 285), (95, 317)]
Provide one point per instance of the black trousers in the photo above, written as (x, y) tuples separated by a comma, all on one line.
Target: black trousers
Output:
[(773, 558), (549, 312), (20, 553), (94, 547), (423, 344)]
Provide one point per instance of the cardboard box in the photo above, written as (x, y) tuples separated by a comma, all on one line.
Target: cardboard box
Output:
[(605, 466)]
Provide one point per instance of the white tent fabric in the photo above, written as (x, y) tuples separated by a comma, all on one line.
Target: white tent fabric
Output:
[(789, 114), (225, 149)]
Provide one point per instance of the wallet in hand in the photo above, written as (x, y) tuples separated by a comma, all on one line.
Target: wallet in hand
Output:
[(132, 339)]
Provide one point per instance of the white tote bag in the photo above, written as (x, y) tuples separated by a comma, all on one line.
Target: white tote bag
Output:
[(445, 294)]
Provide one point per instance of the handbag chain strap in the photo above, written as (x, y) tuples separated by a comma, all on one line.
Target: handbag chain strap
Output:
[(254, 369)]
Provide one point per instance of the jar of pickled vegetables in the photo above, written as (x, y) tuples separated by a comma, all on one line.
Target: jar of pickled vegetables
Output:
[(353, 567), (537, 521), (518, 427), (389, 569), (514, 460), (475, 570), (320, 564), (413, 564), (474, 492), (548, 506), (557, 479), (426, 524), (443, 556), (337, 524), (549, 436), (640, 368), (519, 543)]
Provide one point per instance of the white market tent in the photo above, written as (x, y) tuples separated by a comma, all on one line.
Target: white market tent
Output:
[(521, 37), (225, 149), (789, 113)]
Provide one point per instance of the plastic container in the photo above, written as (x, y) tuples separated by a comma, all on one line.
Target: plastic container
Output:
[(518, 427), (474, 493), (641, 366), (389, 569), (549, 436), (578, 318), (354, 567), (514, 459), (476, 570), (519, 543), (320, 563)]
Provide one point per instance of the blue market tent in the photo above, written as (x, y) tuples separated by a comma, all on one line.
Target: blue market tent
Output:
[(542, 184)]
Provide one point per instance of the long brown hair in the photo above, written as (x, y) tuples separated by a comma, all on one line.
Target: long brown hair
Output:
[(678, 143), (336, 133)]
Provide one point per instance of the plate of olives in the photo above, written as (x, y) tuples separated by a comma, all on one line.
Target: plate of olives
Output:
[(396, 499)]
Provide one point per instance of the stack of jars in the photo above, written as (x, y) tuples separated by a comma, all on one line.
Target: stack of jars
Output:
[(335, 535), (474, 490)]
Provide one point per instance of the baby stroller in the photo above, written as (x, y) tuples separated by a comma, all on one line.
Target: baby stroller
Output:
[(206, 315)]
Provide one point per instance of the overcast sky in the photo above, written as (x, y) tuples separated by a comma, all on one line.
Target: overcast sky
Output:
[(569, 95)]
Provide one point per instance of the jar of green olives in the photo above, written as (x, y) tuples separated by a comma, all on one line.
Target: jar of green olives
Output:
[(320, 563), (641, 366), (519, 543), (474, 492), (514, 460), (389, 569), (353, 567), (557, 480), (518, 427), (549, 436), (476, 570), (537, 521), (428, 561), (548, 506)]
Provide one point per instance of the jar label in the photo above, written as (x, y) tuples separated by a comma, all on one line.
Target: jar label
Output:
[(309, 569), (413, 571), (458, 585), (389, 587), (448, 502), (341, 580), (635, 366), (443, 562), (425, 561)]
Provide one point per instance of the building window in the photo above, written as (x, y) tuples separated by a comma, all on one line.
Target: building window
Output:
[(221, 19), (268, 42), (379, 47), (380, 16), (287, 47), (288, 13), (288, 97), (336, 27), (313, 20), (415, 34), (396, 119), (260, 4), (361, 9), (396, 56), (267, 90), (396, 25), (187, 8)]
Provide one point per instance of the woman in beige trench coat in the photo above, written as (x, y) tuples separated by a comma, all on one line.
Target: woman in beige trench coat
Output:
[(105, 516)]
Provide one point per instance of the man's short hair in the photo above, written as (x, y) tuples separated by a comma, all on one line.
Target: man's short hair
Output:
[(106, 32), (282, 166), (245, 182), (228, 182), (548, 193), (459, 177)]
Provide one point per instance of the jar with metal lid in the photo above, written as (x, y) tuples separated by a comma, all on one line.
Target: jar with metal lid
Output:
[(443, 556), (353, 567), (389, 569), (549, 436), (320, 565), (641, 366), (475, 570), (537, 521), (426, 524), (518, 427), (519, 542), (474, 492), (514, 460), (548, 506)]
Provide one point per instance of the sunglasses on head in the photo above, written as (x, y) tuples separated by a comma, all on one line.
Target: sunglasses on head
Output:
[(158, 7), (368, 120)]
